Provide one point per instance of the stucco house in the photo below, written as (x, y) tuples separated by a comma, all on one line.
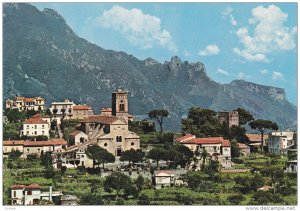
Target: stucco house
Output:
[(280, 142), (164, 179), (217, 148), (244, 149), (33, 147), (34, 127), (25, 103), (30, 194)]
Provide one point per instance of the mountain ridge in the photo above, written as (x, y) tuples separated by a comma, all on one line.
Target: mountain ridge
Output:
[(43, 56)]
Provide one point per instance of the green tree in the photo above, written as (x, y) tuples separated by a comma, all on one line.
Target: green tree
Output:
[(132, 155), (235, 199), (202, 122), (91, 199), (144, 199), (93, 152), (139, 182), (118, 182), (262, 126), (14, 115), (11, 131), (238, 133), (157, 154), (244, 116), (159, 115), (235, 151), (48, 112), (32, 157), (47, 159), (15, 154), (182, 154)]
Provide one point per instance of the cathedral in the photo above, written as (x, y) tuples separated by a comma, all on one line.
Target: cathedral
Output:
[(107, 130)]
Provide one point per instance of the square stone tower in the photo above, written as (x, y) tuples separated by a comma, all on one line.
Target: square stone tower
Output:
[(120, 103)]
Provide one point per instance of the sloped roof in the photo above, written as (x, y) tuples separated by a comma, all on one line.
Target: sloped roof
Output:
[(33, 186), (29, 99), (188, 136), (256, 137), (53, 142), (35, 121), (164, 173), (243, 146), (81, 107), (131, 135), (76, 132), (20, 98), (208, 140), (225, 143), (102, 119), (40, 116), (17, 186), (13, 143)]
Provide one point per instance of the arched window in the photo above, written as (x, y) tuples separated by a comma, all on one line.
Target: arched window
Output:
[(119, 138), (122, 106), (132, 143), (105, 144)]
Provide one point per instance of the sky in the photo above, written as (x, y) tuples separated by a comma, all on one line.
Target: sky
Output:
[(256, 42)]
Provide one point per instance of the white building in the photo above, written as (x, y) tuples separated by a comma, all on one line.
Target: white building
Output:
[(30, 195), (33, 147), (60, 109), (164, 179), (279, 142), (217, 148), (25, 103), (34, 127)]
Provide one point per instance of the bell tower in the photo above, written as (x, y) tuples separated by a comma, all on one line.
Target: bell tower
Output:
[(119, 103)]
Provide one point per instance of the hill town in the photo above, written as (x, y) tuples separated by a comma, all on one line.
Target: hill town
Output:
[(67, 155)]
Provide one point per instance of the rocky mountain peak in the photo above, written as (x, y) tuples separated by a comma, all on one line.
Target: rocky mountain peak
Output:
[(53, 13), (274, 92)]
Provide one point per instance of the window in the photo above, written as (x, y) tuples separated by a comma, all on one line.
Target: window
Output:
[(35, 126), (35, 132), (119, 138), (27, 150), (15, 193), (29, 192), (43, 126), (105, 144), (27, 126), (122, 106), (132, 143)]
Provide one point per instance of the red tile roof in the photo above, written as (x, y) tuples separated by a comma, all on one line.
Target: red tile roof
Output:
[(17, 186), (188, 136), (28, 99), (20, 98), (226, 143), (81, 107), (35, 121), (53, 142), (256, 137), (209, 140), (164, 171), (75, 133), (13, 142), (40, 116), (33, 186), (101, 119), (243, 146)]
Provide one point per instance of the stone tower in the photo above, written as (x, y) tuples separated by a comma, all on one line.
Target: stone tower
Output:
[(119, 104)]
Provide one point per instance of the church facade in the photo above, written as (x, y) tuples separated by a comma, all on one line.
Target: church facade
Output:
[(107, 131)]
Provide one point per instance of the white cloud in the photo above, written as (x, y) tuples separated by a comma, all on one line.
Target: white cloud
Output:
[(210, 50), (276, 76), (228, 13), (139, 28), (250, 57), (270, 34), (264, 71), (243, 76), (186, 53), (223, 72)]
